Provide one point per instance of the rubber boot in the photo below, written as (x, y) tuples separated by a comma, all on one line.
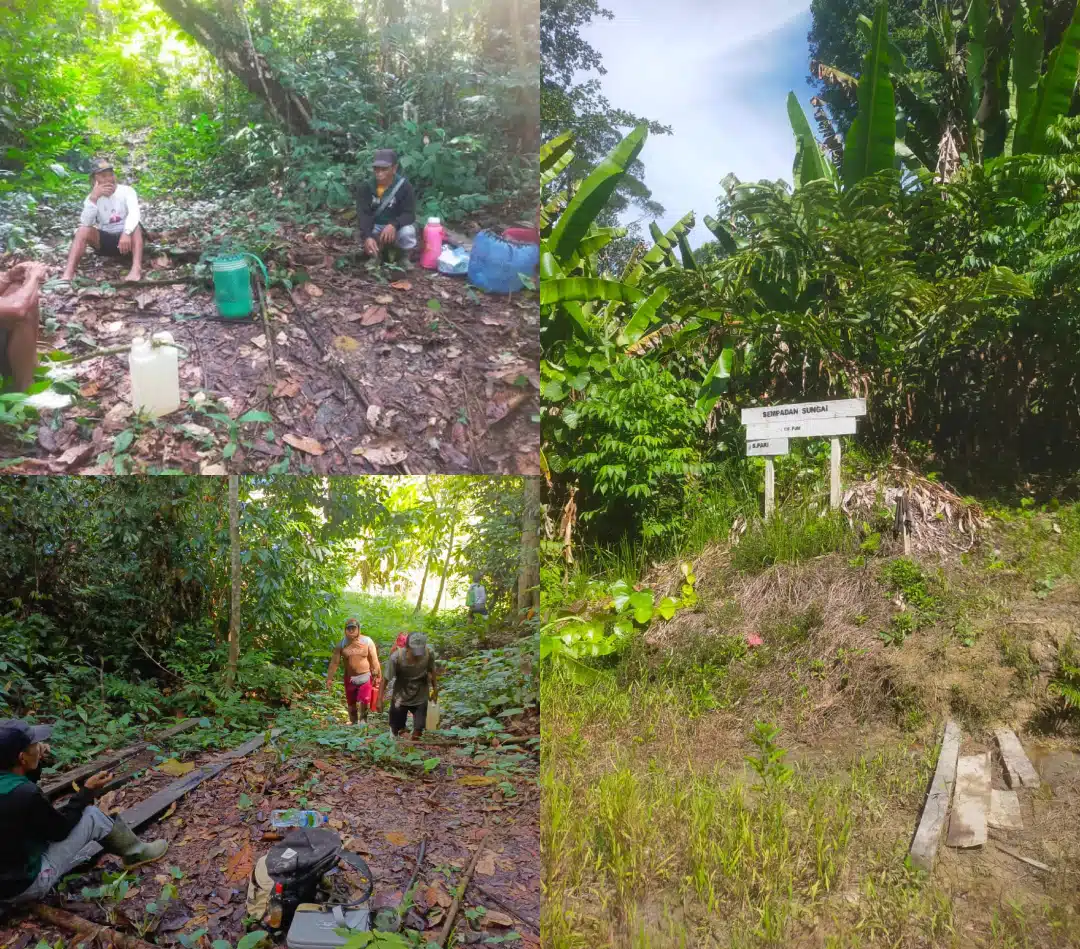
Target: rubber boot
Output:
[(134, 852)]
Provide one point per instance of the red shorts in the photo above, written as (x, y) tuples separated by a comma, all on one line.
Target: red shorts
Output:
[(358, 694)]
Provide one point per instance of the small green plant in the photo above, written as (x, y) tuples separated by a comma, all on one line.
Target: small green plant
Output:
[(900, 627), (769, 762), (1066, 684)]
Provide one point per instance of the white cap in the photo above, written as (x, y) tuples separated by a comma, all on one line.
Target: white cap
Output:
[(433, 220)]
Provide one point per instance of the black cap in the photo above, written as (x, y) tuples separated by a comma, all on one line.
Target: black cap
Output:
[(16, 736), (384, 158), (100, 164)]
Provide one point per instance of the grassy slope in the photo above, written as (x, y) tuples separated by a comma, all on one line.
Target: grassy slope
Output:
[(656, 831)]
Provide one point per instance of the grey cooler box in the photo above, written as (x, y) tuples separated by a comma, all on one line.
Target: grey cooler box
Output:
[(315, 927)]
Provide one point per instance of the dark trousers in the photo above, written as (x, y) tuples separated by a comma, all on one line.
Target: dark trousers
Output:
[(399, 715)]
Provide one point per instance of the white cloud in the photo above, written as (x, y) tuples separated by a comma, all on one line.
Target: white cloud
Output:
[(718, 73)]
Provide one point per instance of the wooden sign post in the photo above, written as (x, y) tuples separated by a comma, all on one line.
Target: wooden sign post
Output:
[(768, 429)]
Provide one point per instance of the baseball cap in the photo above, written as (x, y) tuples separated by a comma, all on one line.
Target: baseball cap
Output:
[(417, 644), (384, 158), (16, 736), (100, 164), (352, 621)]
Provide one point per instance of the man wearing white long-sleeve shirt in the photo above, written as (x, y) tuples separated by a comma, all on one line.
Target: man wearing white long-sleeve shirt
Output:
[(109, 222)]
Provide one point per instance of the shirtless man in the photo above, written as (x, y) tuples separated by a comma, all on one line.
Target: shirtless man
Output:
[(19, 318), (361, 669)]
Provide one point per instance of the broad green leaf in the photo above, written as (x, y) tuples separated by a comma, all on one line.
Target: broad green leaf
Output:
[(667, 607), (1027, 56), (666, 242), (598, 240), (643, 315), (641, 603), (809, 160), (553, 151), (123, 441), (620, 592), (897, 60), (586, 288), (255, 416), (1055, 92), (715, 383), (593, 195), (722, 235), (253, 939), (869, 146), (686, 253), (977, 20)]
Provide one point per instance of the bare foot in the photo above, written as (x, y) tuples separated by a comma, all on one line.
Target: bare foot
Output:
[(68, 276), (134, 275)]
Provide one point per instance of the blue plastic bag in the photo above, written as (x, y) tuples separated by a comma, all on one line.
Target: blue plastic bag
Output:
[(497, 264)]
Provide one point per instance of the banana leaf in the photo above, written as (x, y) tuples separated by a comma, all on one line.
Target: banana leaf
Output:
[(1055, 92), (598, 240), (870, 144), (686, 253), (553, 151), (1027, 55), (570, 289), (809, 160), (897, 60), (715, 383), (548, 175), (643, 315), (593, 195), (722, 235), (977, 21), (665, 243)]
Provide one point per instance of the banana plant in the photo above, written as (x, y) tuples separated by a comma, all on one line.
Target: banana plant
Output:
[(870, 144)]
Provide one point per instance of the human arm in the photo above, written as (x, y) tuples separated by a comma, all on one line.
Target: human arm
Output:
[(89, 215), (133, 214), (406, 206), (373, 655), (46, 822), (335, 658), (15, 302)]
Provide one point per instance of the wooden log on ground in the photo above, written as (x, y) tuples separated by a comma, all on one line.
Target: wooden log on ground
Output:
[(62, 782), (145, 811), (451, 916), (516, 913), (927, 836), (1018, 768), (83, 927), (1005, 810), (971, 802)]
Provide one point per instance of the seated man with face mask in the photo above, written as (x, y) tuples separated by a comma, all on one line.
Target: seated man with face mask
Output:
[(42, 843)]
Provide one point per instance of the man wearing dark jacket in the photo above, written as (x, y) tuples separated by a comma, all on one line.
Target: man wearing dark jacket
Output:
[(386, 207), (43, 843)]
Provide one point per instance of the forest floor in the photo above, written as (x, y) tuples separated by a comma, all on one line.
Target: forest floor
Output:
[(666, 825), (359, 369), (461, 789)]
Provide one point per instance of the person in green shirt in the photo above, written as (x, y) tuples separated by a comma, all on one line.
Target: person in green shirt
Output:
[(412, 671)]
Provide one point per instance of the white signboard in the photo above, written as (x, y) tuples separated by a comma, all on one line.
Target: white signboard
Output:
[(798, 428), (801, 411), (767, 446)]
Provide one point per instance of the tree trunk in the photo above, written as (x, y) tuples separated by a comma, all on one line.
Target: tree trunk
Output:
[(234, 550), (423, 583), (529, 571), (446, 567), (235, 52)]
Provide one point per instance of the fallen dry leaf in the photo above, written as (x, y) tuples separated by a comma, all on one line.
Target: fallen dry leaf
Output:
[(335, 823), (373, 413), (89, 390), (476, 781), (176, 768), (412, 348), (485, 866), (162, 262), (260, 341), (304, 444), (287, 389), (144, 299), (385, 298), (491, 321), (322, 765), (345, 344), (240, 864), (373, 315), (437, 896), (312, 290), (206, 469), (401, 285), (400, 840), (134, 891), (384, 454), (493, 917)]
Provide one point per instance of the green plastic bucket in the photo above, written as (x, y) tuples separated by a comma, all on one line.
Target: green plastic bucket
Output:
[(232, 285)]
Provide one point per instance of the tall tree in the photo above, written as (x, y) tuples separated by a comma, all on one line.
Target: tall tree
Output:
[(528, 596), (234, 573), (446, 563)]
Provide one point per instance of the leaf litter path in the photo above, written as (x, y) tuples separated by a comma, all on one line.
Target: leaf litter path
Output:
[(216, 834), (419, 375)]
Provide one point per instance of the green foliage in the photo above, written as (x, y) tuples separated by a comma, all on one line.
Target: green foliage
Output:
[(868, 148), (799, 534), (906, 580), (769, 761), (1066, 684)]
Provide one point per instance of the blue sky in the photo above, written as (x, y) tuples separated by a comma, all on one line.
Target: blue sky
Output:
[(718, 72)]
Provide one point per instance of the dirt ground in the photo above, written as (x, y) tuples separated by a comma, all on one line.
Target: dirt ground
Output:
[(218, 832), (361, 371)]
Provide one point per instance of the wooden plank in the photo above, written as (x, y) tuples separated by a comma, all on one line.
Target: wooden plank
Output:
[(61, 784), (1028, 860), (145, 811), (770, 488), (971, 801), (936, 809), (767, 446), (1018, 768), (835, 408), (802, 428), (1005, 810), (834, 474)]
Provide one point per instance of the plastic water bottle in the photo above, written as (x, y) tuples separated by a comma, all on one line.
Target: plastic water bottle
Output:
[(293, 817), (433, 238), (155, 376)]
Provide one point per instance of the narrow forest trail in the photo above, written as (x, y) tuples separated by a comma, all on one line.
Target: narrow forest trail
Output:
[(356, 369)]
